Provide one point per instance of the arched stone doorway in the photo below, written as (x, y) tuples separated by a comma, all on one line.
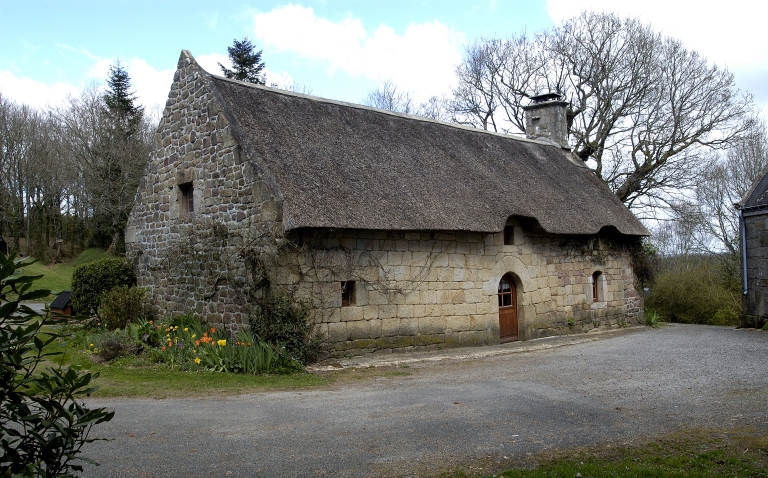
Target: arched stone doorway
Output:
[(507, 309)]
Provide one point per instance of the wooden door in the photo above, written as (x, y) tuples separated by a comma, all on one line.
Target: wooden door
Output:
[(507, 310)]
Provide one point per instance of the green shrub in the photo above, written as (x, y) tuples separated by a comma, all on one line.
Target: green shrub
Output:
[(287, 322), (113, 344), (43, 421), (652, 319), (90, 281), (120, 306), (695, 293), (725, 317)]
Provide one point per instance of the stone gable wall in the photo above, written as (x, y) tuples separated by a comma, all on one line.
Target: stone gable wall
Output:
[(193, 263)]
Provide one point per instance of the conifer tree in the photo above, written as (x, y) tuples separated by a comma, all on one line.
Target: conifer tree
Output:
[(247, 64), (120, 101), (115, 159), (118, 98)]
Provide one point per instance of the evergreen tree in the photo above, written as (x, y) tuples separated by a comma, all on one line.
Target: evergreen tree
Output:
[(119, 98), (116, 159), (247, 63), (120, 101)]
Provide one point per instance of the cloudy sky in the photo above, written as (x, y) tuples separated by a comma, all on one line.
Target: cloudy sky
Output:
[(339, 49)]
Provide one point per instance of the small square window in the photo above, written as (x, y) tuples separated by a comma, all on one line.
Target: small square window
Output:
[(509, 235), (347, 293), (187, 205)]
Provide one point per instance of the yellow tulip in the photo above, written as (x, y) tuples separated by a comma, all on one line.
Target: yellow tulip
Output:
[(222, 342)]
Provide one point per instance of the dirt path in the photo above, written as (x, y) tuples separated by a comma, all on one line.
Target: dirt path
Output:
[(495, 410)]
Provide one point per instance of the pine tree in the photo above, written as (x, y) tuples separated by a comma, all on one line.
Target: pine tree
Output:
[(247, 64), (119, 99), (119, 152)]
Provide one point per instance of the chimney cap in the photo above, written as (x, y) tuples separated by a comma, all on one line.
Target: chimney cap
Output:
[(545, 97)]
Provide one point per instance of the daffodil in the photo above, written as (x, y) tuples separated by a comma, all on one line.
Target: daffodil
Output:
[(91, 345), (197, 360), (186, 329)]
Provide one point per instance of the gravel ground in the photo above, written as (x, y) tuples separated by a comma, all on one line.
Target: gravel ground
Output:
[(488, 407)]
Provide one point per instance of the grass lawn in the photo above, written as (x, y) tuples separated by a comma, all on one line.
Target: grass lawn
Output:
[(58, 277), (129, 377), (684, 454)]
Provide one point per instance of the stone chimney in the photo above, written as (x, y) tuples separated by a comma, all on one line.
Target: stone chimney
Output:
[(546, 117)]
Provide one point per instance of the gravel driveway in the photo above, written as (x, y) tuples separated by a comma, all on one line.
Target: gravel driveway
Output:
[(623, 387)]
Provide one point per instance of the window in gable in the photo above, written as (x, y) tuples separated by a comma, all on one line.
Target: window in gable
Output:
[(347, 293), (187, 205)]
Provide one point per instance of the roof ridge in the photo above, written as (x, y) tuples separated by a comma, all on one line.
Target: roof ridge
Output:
[(321, 99)]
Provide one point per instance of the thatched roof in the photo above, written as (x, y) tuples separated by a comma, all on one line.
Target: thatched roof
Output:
[(341, 165)]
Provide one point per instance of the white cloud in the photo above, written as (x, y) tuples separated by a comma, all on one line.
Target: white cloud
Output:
[(420, 60), (32, 92), (150, 85), (730, 35), (210, 63)]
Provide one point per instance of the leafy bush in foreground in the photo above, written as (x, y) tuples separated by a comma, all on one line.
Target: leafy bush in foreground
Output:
[(43, 426)]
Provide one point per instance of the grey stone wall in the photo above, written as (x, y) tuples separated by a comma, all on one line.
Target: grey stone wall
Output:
[(755, 303), (193, 262)]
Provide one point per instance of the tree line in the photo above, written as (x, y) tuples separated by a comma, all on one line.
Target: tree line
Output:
[(68, 174)]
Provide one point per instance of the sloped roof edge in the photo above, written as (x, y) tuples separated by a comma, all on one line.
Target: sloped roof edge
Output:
[(757, 196)]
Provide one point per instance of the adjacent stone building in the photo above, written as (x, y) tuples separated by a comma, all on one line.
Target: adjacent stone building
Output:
[(399, 231), (753, 219)]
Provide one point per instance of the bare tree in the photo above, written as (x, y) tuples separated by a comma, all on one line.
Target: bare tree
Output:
[(110, 152), (725, 183), (32, 178), (645, 111), (388, 97), (292, 86)]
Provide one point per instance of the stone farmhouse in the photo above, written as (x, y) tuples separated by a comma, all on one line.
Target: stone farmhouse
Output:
[(398, 231), (753, 220)]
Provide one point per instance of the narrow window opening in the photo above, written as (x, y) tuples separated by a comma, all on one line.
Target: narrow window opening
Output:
[(595, 287), (187, 199), (509, 235), (347, 293)]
